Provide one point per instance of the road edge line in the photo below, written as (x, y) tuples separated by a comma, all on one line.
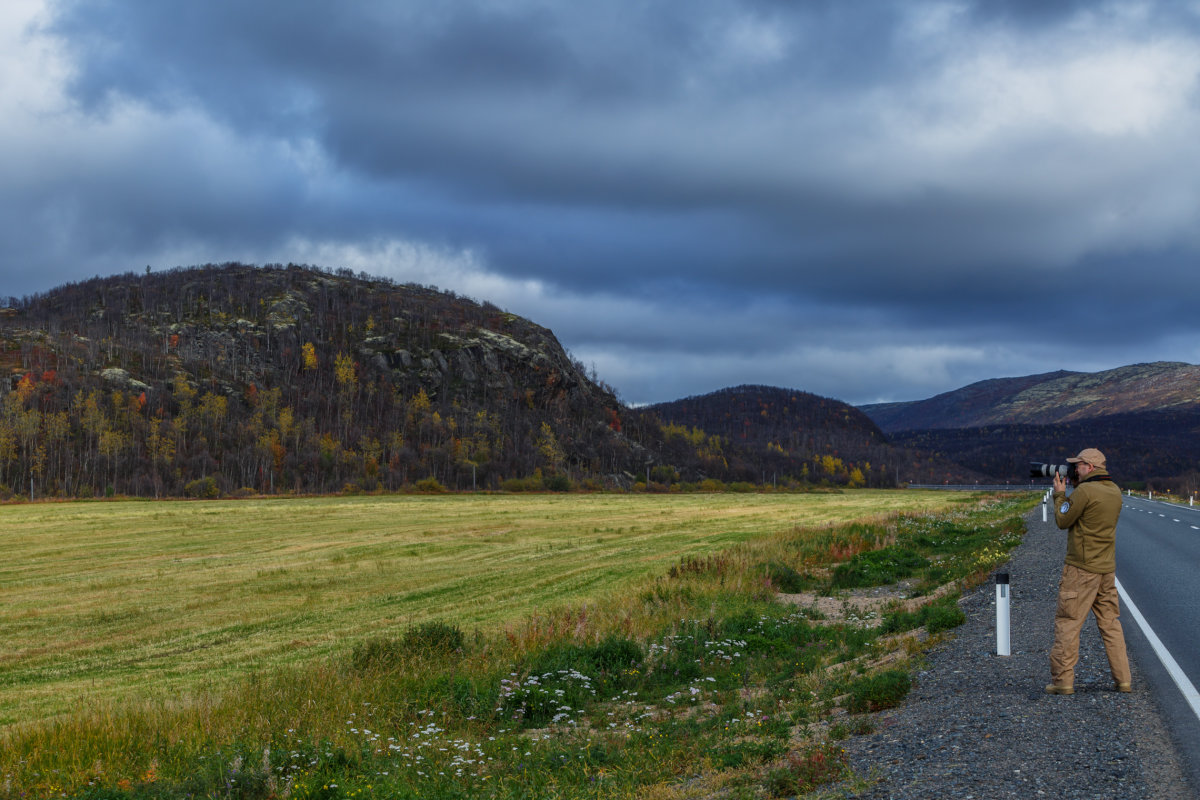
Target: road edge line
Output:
[(1168, 661)]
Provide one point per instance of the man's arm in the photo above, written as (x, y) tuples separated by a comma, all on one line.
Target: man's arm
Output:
[(1067, 509)]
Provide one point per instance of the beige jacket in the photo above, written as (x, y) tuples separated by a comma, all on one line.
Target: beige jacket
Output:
[(1091, 514)]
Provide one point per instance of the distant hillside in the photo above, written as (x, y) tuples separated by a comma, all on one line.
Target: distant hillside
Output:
[(1050, 398), (235, 379), (1160, 449), (1145, 417), (792, 432)]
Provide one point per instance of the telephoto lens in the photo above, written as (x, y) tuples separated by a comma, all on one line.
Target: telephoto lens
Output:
[(1069, 472)]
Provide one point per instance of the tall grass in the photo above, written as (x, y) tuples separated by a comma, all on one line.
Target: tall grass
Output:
[(698, 674)]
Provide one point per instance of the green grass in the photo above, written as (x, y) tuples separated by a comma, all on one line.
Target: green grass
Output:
[(303, 649), (102, 600)]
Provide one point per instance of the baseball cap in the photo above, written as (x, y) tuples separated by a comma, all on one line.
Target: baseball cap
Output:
[(1091, 455)]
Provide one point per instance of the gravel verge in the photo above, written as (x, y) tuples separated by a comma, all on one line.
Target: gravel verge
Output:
[(978, 725)]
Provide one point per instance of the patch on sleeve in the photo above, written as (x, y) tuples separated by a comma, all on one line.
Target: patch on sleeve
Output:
[(1064, 508)]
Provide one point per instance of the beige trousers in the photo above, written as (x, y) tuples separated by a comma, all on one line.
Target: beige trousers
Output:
[(1079, 592)]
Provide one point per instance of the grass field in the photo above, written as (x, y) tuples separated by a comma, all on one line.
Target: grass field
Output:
[(455, 647), (104, 600)]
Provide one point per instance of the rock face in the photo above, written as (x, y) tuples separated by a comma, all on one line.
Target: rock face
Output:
[(119, 377)]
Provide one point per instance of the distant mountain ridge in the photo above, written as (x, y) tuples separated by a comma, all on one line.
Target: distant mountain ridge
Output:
[(1048, 398), (1145, 417)]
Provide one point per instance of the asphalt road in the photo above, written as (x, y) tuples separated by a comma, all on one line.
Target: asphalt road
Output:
[(1158, 568)]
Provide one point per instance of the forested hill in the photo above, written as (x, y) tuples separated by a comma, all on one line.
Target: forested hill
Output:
[(766, 414), (233, 379), (817, 438), (288, 379)]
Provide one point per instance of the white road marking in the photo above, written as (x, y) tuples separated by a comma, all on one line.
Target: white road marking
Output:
[(1173, 669)]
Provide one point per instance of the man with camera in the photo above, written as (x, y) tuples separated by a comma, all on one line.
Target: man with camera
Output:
[(1088, 583)]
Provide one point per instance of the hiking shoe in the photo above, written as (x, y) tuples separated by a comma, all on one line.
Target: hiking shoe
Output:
[(1123, 687), (1055, 688)]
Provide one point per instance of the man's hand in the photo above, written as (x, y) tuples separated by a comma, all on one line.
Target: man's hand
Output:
[(1060, 485)]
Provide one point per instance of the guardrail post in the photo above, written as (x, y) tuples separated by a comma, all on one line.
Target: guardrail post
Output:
[(1002, 611)]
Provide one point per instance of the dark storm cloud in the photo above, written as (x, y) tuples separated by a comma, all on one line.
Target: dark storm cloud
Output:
[(887, 197)]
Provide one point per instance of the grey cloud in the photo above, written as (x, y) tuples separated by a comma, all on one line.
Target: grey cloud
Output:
[(748, 171)]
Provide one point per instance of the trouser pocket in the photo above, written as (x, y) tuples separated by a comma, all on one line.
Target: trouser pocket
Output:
[(1068, 604)]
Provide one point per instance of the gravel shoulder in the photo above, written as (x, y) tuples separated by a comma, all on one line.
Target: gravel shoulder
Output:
[(978, 725)]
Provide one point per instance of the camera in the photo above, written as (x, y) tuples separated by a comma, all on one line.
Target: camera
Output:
[(1039, 470)]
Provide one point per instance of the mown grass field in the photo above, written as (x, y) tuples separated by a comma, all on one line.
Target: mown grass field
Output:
[(104, 600), (608, 644)]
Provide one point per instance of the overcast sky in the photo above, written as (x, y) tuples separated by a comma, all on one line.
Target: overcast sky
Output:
[(866, 200)]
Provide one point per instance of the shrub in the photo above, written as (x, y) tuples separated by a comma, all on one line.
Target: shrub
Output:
[(377, 653), (664, 473), (205, 488), (804, 771), (430, 485), (876, 692), (471, 697), (878, 567), (786, 579), (935, 617), (611, 654), (557, 483), (532, 484), (615, 652), (854, 726), (943, 617), (434, 637), (746, 752), (426, 639)]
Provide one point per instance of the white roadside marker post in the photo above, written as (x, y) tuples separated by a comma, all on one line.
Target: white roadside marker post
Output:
[(1002, 637)]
